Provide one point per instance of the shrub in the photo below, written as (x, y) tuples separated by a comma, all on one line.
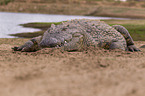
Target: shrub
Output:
[(5, 2)]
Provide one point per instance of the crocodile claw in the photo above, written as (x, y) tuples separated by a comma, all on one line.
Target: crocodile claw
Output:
[(132, 48)]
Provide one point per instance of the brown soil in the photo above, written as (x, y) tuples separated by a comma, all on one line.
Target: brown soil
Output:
[(127, 10), (51, 72)]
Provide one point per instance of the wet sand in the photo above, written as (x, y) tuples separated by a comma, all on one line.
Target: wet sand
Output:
[(52, 72)]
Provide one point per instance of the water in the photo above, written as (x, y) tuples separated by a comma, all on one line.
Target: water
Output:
[(9, 22)]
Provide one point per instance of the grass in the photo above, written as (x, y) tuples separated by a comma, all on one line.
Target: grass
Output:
[(136, 31), (106, 8), (73, 1), (41, 25), (116, 11), (135, 27), (5, 2)]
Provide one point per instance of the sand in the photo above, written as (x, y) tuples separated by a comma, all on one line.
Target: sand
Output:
[(52, 72)]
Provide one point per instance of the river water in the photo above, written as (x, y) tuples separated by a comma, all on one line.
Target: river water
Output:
[(9, 22)]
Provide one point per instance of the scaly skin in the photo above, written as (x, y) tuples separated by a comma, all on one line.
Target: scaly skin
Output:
[(80, 34)]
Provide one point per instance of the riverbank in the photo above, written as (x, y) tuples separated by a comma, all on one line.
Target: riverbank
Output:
[(98, 8), (40, 25), (135, 27)]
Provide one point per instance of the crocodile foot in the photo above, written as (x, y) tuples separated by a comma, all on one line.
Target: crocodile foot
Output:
[(132, 48)]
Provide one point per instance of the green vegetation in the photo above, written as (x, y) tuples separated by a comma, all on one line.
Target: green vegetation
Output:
[(41, 25), (135, 27), (107, 8), (5, 2), (29, 34), (73, 1), (137, 31)]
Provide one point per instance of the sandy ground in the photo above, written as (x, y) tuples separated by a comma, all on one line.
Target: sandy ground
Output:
[(51, 72)]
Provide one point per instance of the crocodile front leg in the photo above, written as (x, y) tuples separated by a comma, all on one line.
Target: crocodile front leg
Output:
[(30, 46)]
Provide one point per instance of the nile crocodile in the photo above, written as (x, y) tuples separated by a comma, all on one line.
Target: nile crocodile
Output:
[(75, 35)]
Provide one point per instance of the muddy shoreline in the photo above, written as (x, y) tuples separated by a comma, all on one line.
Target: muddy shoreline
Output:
[(51, 72)]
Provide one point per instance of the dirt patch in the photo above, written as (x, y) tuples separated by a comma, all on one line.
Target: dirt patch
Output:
[(52, 72)]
